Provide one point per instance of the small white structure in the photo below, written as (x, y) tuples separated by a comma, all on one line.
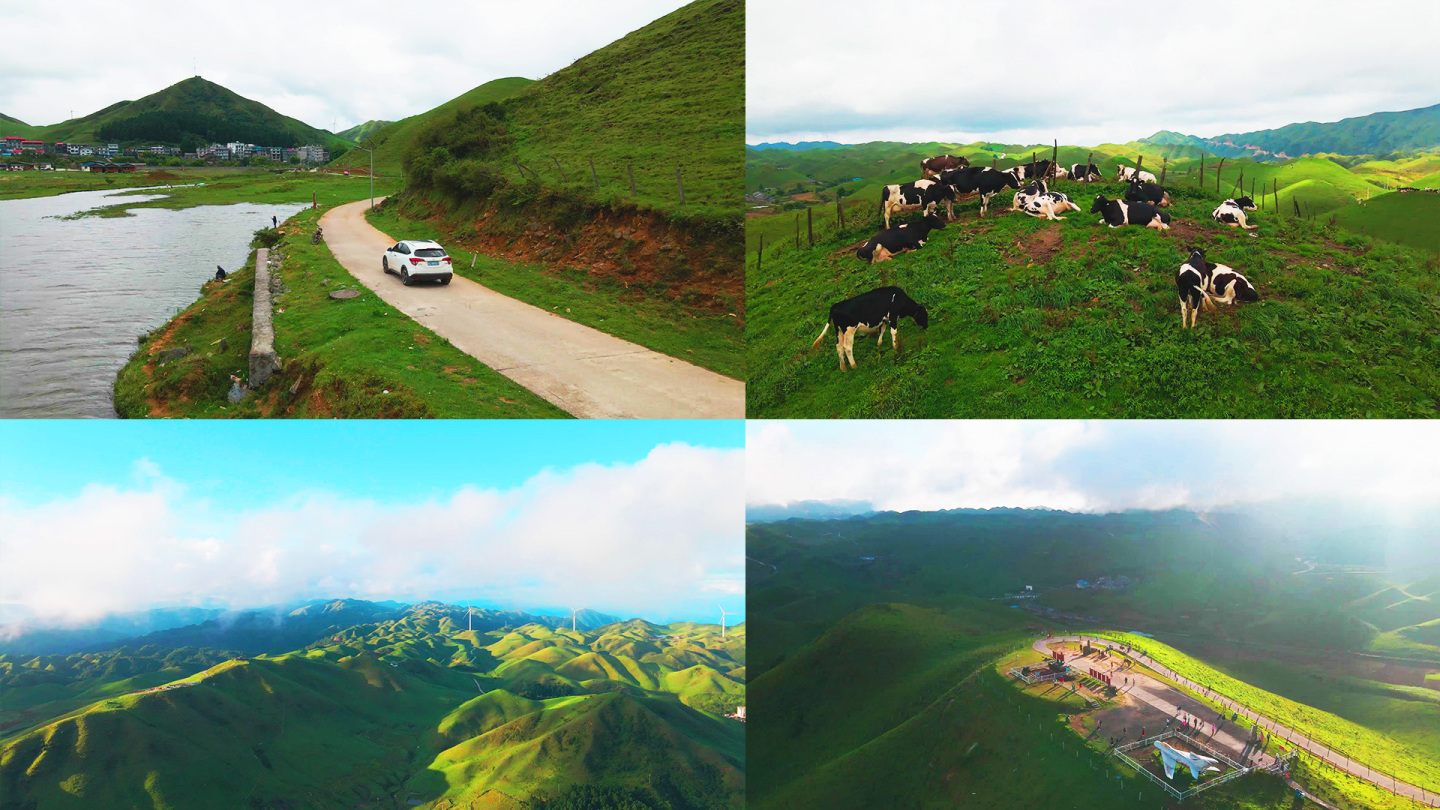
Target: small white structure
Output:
[(1197, 763), (1029, 587)]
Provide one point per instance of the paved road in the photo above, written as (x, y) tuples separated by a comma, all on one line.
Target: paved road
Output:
[(1147, 687), (584, 371)]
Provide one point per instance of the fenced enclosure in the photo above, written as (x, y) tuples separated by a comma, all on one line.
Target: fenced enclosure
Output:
[(1235, 769)]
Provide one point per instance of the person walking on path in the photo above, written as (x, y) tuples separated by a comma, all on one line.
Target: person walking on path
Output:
[(274, 221)]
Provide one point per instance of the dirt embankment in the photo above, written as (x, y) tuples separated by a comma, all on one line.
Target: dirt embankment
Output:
[(632, 247)]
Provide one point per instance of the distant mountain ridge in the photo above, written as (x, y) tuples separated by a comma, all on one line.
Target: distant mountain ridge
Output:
[(798, 147), (1377, 133), (808, 510)]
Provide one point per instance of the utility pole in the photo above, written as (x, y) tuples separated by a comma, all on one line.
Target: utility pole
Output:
[(372, 175)]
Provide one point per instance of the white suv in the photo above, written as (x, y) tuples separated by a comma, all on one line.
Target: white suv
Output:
[(417, 260)]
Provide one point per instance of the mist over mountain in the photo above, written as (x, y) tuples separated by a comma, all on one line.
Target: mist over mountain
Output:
[(813, 510)]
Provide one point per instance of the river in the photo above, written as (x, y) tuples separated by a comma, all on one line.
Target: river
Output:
[(76, 294)]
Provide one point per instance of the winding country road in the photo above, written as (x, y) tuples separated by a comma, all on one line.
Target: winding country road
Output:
[(1148, 690), (584, 371)]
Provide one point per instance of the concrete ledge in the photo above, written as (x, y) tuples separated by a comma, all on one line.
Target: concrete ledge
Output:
[(263, 360)]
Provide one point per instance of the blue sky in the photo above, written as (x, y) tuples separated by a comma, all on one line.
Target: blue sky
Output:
[(641, 518)]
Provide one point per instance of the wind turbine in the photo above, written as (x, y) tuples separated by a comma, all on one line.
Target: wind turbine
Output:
[(723, 614), (573, 611)]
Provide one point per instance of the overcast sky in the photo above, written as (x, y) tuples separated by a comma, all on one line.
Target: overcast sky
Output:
[(1082, 71), (1092, 466), (507, 515), (328, 63)]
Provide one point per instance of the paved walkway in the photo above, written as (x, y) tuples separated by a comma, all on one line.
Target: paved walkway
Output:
[(1146, 687), (584, 371)]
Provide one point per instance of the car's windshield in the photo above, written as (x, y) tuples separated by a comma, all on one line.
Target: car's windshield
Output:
[(429, 253)]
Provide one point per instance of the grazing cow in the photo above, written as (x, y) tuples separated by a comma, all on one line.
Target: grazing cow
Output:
[(1192, 282), (1132, 173), (1232, 213), (1037, 201), (1141, 191), (900, 239), (1116, 213), (865, 313), (929, 167), (1079, 171), (981, 180), (905, 197)]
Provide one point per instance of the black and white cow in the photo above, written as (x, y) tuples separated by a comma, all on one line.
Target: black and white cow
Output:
[(1116, 213), (1141, 191), (903, 198), (900, 239), (929, 167), (1226, 285), (1038, 201), (1192, 282), (865, 313), (981, 180), (1079, 171), (1023, 173), (1232, 213), (1132, 173)]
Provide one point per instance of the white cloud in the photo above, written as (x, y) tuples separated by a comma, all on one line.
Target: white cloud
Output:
[(1092, 466), (1084, 71), (643, 538), (325, 62)]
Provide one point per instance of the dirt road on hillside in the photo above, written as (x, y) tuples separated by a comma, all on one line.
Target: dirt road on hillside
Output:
[(584, 371)]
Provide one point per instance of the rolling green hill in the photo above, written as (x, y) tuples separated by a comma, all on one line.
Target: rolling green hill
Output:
[(14, 127), (188, 112), (413, 710), (1377, 133), (360, 132), (1406, 219), (1032, 318)]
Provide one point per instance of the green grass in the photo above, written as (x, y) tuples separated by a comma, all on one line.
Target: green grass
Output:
[(1345, 328), (637, 312), (1409, 756), (354, 358), (1410, 219)]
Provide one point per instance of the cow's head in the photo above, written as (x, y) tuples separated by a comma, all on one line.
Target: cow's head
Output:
[(1197, 258), (1012, 176), (1246, 203), (1061, 173), (1098, 207), (935, 221), (1244, 290), (921, 316)]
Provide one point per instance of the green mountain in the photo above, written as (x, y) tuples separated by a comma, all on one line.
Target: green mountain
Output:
[(1374, 134), (885, 641), (409, 710), (360, 132), (14, 127), (191, 111)]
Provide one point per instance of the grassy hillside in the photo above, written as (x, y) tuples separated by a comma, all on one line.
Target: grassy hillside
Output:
[(1046, 319), (1372, 134), (14, 127), (360, 132), (190, 111), (1406, 219), (389, 141), (411, 711)]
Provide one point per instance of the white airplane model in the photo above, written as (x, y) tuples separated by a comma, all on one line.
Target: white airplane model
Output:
[(1195, 762)]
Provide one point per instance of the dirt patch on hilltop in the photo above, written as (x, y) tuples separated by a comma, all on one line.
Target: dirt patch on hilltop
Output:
[(1039, 247)]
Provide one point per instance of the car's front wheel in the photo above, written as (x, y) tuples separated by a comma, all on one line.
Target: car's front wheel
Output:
[(385, 265)]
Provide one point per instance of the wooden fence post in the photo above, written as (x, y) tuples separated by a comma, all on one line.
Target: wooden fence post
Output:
[(1032, 166), (1239, 183), (1164, 166), (679, 183), (630, 170), (1252, 188), (1054, 158), (1089, 161), (518, 169), (797, 231), (1217, 175), (594, 176), (561, 168), (1296, 200), (760, 254), (1201, 181), (810, 224), (995, 163), (839, 211)]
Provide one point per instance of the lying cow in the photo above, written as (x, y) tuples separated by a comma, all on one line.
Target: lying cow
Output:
[(1080, 171), (1132, 173), (1042, 170), (906, 197), (1116, 213), (1141, 191), (866, 313), (1038, 201), (929, 167), (900, 239), (981, 180), (1226, 285), (1232, 213)]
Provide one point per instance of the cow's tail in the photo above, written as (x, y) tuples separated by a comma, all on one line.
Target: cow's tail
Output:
[(821, 335)]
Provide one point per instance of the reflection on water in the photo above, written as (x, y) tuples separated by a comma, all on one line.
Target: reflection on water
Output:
[(75, 295)]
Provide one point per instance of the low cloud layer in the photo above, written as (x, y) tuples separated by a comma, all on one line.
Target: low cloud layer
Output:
[(1083, 71), (658, 538), (1092, 466), (327, 63)]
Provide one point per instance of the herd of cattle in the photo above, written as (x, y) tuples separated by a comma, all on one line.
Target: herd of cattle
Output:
[(949, 179)]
